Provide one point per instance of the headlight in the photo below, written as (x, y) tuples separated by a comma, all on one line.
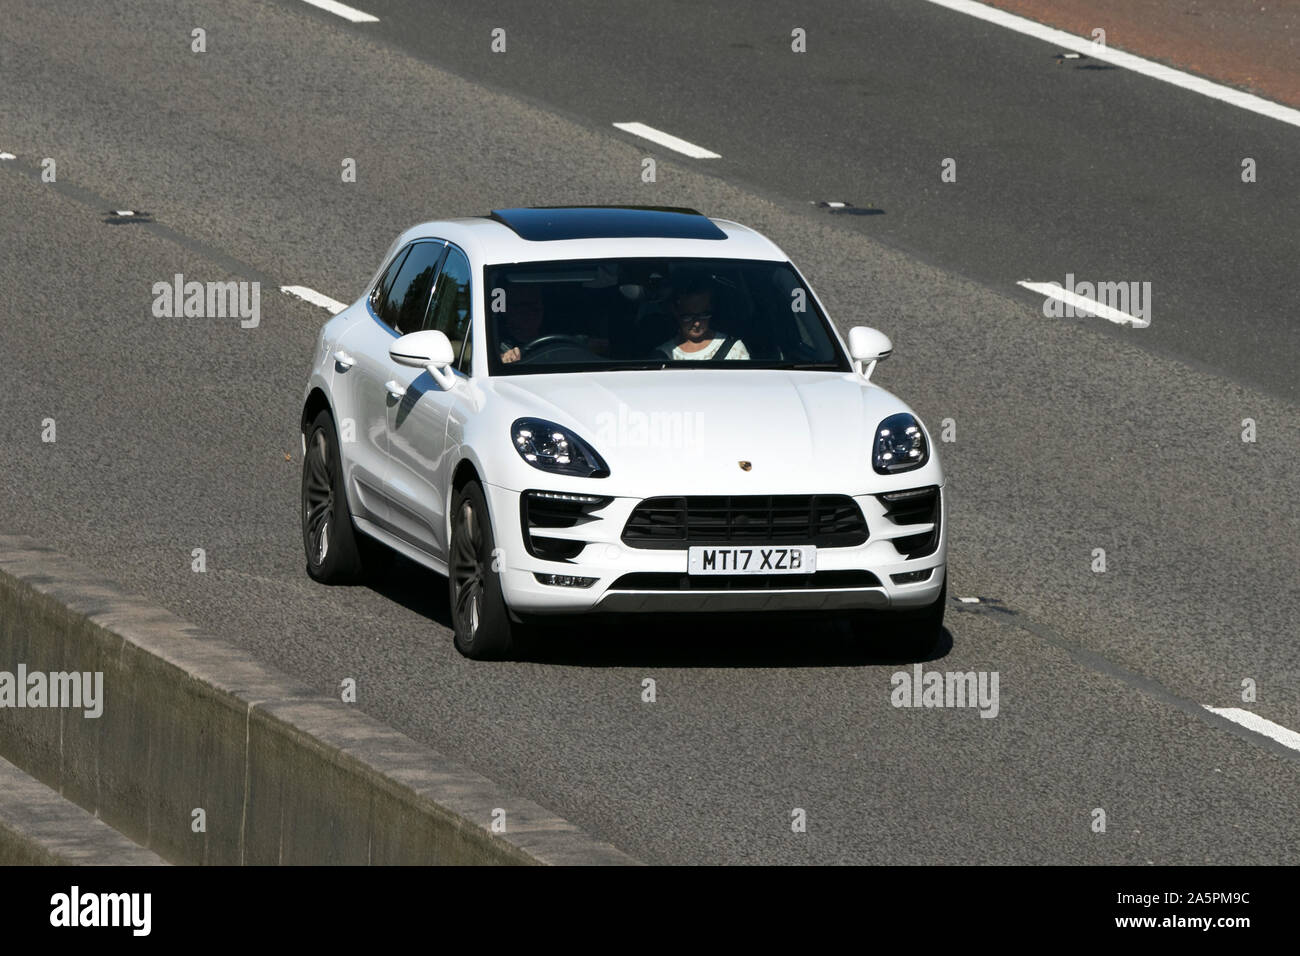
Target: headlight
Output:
[(899, 445), (556, 449)]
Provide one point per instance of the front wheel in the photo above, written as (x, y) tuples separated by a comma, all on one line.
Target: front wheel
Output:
[(328, 535), (480, 619)]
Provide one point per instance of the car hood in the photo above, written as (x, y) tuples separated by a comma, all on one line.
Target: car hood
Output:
[(689, 431)]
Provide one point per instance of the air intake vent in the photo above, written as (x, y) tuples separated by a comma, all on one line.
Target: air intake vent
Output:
[(540, 511), (914, 506)]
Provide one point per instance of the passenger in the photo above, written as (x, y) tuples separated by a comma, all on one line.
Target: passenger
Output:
[(693, 309)]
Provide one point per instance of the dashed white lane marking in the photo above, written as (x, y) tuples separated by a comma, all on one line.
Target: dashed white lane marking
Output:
[(315, 298), (343, 10), (1128, 61), (1283, 735), (667, 140), (7, 156), (1081, 304)]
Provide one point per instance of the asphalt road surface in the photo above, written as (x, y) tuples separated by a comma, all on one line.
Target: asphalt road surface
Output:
[(1071, 434)]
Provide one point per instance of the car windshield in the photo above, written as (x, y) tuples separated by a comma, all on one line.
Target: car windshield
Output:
[(610, 314)]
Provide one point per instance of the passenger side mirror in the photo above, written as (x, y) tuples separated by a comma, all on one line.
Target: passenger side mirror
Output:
[(868, 346), (428, 349)]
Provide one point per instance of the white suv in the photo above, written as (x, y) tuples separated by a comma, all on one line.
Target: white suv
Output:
[(613, 409)]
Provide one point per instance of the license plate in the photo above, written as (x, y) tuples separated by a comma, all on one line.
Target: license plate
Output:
[(801, 559)]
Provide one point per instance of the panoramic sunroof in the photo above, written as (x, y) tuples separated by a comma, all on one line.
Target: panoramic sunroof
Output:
[(607, 222)]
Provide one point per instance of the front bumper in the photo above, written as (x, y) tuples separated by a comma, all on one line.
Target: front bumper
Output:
[(660, 583)]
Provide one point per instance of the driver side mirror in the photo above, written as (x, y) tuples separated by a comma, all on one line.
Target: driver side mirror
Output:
[(868, 346), (428, 349)]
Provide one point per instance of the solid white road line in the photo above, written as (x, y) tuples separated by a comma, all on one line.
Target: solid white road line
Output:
[(1287, 738), (343, 10), (1080, 304), (314, 297), (1128, 61), (667, 140)]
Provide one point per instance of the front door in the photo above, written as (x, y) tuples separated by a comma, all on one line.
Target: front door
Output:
[(419, 471)]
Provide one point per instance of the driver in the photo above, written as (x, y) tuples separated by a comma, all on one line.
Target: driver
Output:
[(524, 316)]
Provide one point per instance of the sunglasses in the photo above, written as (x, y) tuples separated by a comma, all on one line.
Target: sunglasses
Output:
[(688, 318)]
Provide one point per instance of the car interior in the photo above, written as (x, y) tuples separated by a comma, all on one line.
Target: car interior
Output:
[(628, 304)]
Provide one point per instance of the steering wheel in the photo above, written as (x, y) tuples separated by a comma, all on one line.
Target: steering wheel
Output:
[(537, 344)]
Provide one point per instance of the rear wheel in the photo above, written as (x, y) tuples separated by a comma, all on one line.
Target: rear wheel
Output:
[(480, 618), (328, 535), (912, 634)]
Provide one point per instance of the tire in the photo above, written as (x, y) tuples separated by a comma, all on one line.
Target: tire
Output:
[(329, 538), (911, 634), (479, 614)]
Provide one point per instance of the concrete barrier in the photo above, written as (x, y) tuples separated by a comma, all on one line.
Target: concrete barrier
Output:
[(39, 828), (281, 773)]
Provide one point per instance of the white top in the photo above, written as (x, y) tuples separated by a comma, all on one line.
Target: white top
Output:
[(710, 350)]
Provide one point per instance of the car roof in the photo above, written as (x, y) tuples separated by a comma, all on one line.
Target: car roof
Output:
[(597, 232)]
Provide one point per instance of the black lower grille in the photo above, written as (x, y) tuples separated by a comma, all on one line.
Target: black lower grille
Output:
[(915, 506), (539, 510), (827, 521), (671, 581)]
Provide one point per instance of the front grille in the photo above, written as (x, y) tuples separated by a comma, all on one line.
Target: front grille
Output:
[(827, 521), (672, 581), (915, 506)]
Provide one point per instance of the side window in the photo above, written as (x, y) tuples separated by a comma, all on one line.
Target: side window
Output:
[(380, 292), (449, 312), (404, 305)]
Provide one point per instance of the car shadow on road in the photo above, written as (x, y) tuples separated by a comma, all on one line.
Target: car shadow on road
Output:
[(415, 588), (679, 640), (781, 639)]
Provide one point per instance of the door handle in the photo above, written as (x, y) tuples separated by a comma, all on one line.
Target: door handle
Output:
[(344, 359), (395, 388)]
